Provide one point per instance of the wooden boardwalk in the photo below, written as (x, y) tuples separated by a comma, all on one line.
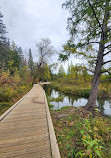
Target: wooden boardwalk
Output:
[(24, 132)]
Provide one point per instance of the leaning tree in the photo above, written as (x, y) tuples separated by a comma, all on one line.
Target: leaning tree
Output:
[(89, 25)]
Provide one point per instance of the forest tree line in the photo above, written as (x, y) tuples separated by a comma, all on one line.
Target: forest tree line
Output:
[(19, 73)]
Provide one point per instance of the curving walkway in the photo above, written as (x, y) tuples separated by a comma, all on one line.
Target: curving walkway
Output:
[(25, 131)]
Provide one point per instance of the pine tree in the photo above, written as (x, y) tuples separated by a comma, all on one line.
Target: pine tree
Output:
[(15, 56), (3, 43), (20, 53), (3, 39), (30, 62)]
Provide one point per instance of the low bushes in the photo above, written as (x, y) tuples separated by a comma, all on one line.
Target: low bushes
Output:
[(12, 88), (81, 135)]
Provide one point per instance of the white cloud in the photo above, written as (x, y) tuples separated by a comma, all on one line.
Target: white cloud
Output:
[(28, 21)]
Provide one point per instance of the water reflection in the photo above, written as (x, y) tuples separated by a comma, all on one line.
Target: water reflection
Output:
[(100, 105), (60, 100)]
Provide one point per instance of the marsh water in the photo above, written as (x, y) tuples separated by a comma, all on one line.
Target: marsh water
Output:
[(59, 100)]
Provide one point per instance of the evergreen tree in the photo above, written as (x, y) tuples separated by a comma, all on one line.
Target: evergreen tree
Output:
[(15, 56), (3, 43), (3, 39), (20, 53), (30, 62)]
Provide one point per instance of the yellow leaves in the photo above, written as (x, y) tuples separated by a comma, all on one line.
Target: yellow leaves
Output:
[(84, 137), (10, 63), (67, 48), (10, 92), (90, 155), (98, 149), (72, 50), (16, 78), (95, 128), (22, 88), (96, 109)]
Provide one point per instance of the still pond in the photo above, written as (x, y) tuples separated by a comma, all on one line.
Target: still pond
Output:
[(59, 100)]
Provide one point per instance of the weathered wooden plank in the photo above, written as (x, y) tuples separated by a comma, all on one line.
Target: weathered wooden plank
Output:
[(24, 131), (39, 150), (23, 140), (20, 123), (25, 144)]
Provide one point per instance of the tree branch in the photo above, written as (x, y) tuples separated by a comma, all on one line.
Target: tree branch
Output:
[(84, 44), (106, 71), (106, 62), (78, 19), (105, 80), (109, 30), (108, 46), (93, 42), (107, 53), (90, 70), (95, 14)]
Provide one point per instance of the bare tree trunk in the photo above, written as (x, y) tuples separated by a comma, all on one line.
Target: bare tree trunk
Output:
[(96, 78), (94, 91), (95, 83)]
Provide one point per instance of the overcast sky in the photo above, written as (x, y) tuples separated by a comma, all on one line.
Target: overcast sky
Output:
[(28, 21)]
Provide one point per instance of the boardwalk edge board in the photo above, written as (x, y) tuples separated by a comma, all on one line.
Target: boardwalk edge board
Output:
[(12, 107), (53, 140)]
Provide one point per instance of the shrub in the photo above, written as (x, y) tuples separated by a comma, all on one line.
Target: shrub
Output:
[(91, 141)]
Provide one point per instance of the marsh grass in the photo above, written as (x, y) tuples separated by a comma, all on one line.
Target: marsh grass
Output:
[(82, 90)]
